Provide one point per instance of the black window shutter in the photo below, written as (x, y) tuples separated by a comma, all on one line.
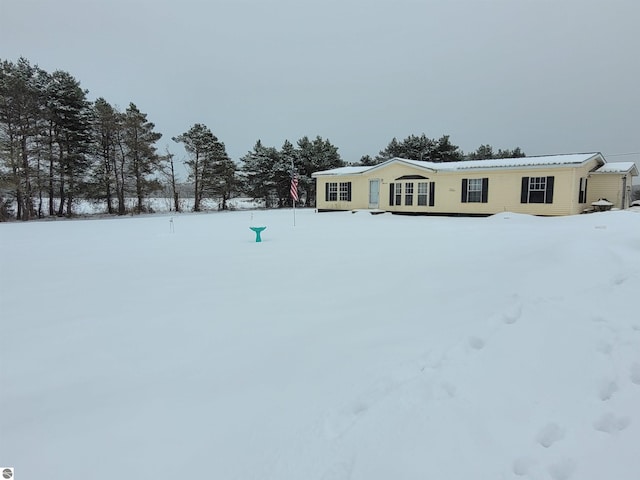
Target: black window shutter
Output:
[(549, 196), (524, 193), (348, 191), (432, 193), (326, 192), (485, 190), (580, 192), (585, 190), (463, 198), (391, 194)]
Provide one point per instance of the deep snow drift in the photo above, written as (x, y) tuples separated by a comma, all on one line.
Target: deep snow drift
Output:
[(349, 346)]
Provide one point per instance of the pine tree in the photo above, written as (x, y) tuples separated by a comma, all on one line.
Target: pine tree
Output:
[(20, 113), (222, 181), (69, 113), (445, 151), (483, 152), (106, 124), (315, 155), (412, 148), (142, 160), (257, 170), (204, 150), (486, 152), (515, 153)]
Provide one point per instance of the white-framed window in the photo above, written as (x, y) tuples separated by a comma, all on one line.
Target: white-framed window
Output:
[(475, 190), (332, 192), (408, 193), (345, 191), (537, 190), (474, 193), (423, 193), (398, 193)]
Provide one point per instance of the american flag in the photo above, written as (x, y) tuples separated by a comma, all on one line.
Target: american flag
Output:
[(294, 187)]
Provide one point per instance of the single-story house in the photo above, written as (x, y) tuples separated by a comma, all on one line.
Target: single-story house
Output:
[(544, 185)]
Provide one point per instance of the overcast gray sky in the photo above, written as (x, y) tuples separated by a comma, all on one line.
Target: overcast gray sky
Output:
[(549, 76)]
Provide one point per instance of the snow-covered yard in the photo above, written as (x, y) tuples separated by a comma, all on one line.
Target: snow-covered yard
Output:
[(350, 346)]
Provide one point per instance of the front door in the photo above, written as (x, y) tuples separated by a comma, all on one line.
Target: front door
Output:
[(374, 193)]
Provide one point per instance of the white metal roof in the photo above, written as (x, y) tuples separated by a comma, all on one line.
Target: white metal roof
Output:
[(495, 163), (618, 167), (343, 171)]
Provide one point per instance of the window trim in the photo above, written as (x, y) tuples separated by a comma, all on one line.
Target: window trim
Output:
[(344, 191), (483, 191), (423, 196), (547, 192), (408, 194), (331, 192)]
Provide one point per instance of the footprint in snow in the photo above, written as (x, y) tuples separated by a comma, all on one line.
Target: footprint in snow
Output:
[(550, 434), (522, 466), (512, 314), (611, 423), (476, 343), (606, 389), (338, 422)]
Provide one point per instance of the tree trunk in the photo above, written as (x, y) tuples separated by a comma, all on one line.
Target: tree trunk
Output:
[(70, 193), (138, 176), (108, 169), (120, 180), (176, 202), (51, 161), (61, 192), (51, 193), (28, 194), (196, 178)]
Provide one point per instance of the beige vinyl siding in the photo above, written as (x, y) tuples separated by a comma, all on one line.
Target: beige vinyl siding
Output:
[(607, 185), (359, 192), (503, 192), (504, 189)]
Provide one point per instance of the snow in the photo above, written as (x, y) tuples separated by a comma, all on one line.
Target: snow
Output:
[(541, 161), (618, 167), (351, 346), (344, 171)]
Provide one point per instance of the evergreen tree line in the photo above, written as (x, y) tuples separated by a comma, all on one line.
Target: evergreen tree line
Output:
[(421, 147), (56, 147)]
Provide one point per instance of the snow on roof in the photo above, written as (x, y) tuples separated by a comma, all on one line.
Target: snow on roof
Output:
[(547, 160), (617, 167), (343, 171), (571, 159)]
